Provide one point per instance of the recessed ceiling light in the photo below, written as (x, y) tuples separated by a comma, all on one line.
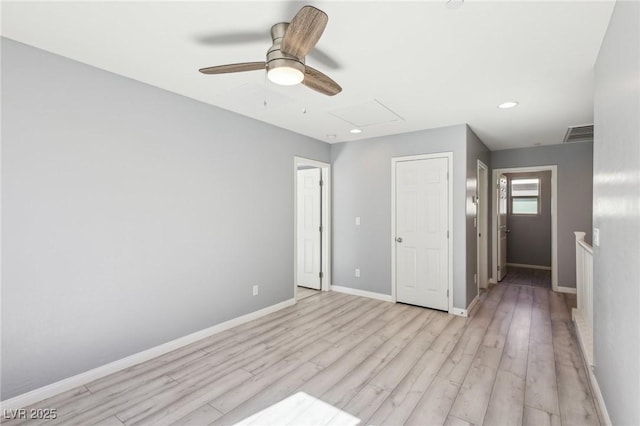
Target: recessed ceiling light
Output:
[(355, 131), (454, 4), (507, 105), (331, 136)]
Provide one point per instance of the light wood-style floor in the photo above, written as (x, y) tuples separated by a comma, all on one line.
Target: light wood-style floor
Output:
[(513, 361), (303, 293), (517, 275)]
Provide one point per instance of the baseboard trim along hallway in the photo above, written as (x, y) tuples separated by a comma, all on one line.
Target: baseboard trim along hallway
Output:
[(583, 336), (362, 293)]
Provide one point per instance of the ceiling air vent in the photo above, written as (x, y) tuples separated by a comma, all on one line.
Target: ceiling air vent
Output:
[(579, 134)]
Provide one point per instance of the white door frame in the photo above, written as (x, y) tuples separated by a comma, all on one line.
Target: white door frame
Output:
[(554, 218), (482, 227), (394, 161), (326, 220)]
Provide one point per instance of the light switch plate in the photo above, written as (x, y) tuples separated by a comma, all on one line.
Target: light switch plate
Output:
[(357, 220)]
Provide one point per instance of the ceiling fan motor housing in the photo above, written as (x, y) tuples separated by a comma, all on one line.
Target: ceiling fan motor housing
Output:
[(275, 57)]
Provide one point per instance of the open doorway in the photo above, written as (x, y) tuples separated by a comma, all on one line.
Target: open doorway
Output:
[(311, 227), (525, 226)]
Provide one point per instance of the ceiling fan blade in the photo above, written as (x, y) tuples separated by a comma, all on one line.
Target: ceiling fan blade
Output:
[(320, 82), (223, 69), (304, 31)]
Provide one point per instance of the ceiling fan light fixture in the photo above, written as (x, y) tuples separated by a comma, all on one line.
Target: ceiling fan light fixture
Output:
[(285, 72), (285, 76)]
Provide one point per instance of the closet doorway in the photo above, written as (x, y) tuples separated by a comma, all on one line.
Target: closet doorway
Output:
[(312, 230)]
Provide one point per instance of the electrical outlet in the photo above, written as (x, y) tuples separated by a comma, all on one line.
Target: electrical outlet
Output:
[(255, 290), (357, 273)]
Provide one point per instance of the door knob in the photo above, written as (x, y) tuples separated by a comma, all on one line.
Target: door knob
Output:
[(399, 239)]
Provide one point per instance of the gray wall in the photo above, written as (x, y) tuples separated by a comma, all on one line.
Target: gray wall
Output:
[(130, 216), (616, 212), (575, 168), (362, 187), (476, 150), (529, 241)]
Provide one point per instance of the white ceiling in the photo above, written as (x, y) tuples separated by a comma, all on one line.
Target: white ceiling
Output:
[(430, 65)]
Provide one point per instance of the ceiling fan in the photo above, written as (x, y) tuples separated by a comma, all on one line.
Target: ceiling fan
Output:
[(285, 62)]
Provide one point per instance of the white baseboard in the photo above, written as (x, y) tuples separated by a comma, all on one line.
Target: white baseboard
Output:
[(523, 265), (465, 312), (473, 304), (363, 293), (562, 289), (459, 312), (585, 336), (595, 388), (587, 357), (493, 281), (69, 383)]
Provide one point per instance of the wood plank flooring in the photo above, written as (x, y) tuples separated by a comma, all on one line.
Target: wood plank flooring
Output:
[(303, 292), (340, 359), (518, 275)]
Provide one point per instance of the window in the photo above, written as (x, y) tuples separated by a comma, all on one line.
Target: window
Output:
[(525, 196)]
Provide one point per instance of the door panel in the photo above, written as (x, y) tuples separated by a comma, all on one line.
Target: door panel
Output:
[(309, 236), (502, 226), (422, 246)]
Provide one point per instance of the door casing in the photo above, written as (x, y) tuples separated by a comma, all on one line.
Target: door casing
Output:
[(554, 218), (482, 213), (394, 161), (502, 201), (326, 220)]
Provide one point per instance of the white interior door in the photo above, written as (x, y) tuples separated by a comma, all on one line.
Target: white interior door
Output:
[(309, 232), (421, 232), (502, 226)]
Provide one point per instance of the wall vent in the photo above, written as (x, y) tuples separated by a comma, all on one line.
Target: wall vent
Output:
[(579, 134)]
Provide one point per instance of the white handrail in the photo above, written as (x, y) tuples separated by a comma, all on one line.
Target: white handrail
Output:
[(583, 314), (583, 244)]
